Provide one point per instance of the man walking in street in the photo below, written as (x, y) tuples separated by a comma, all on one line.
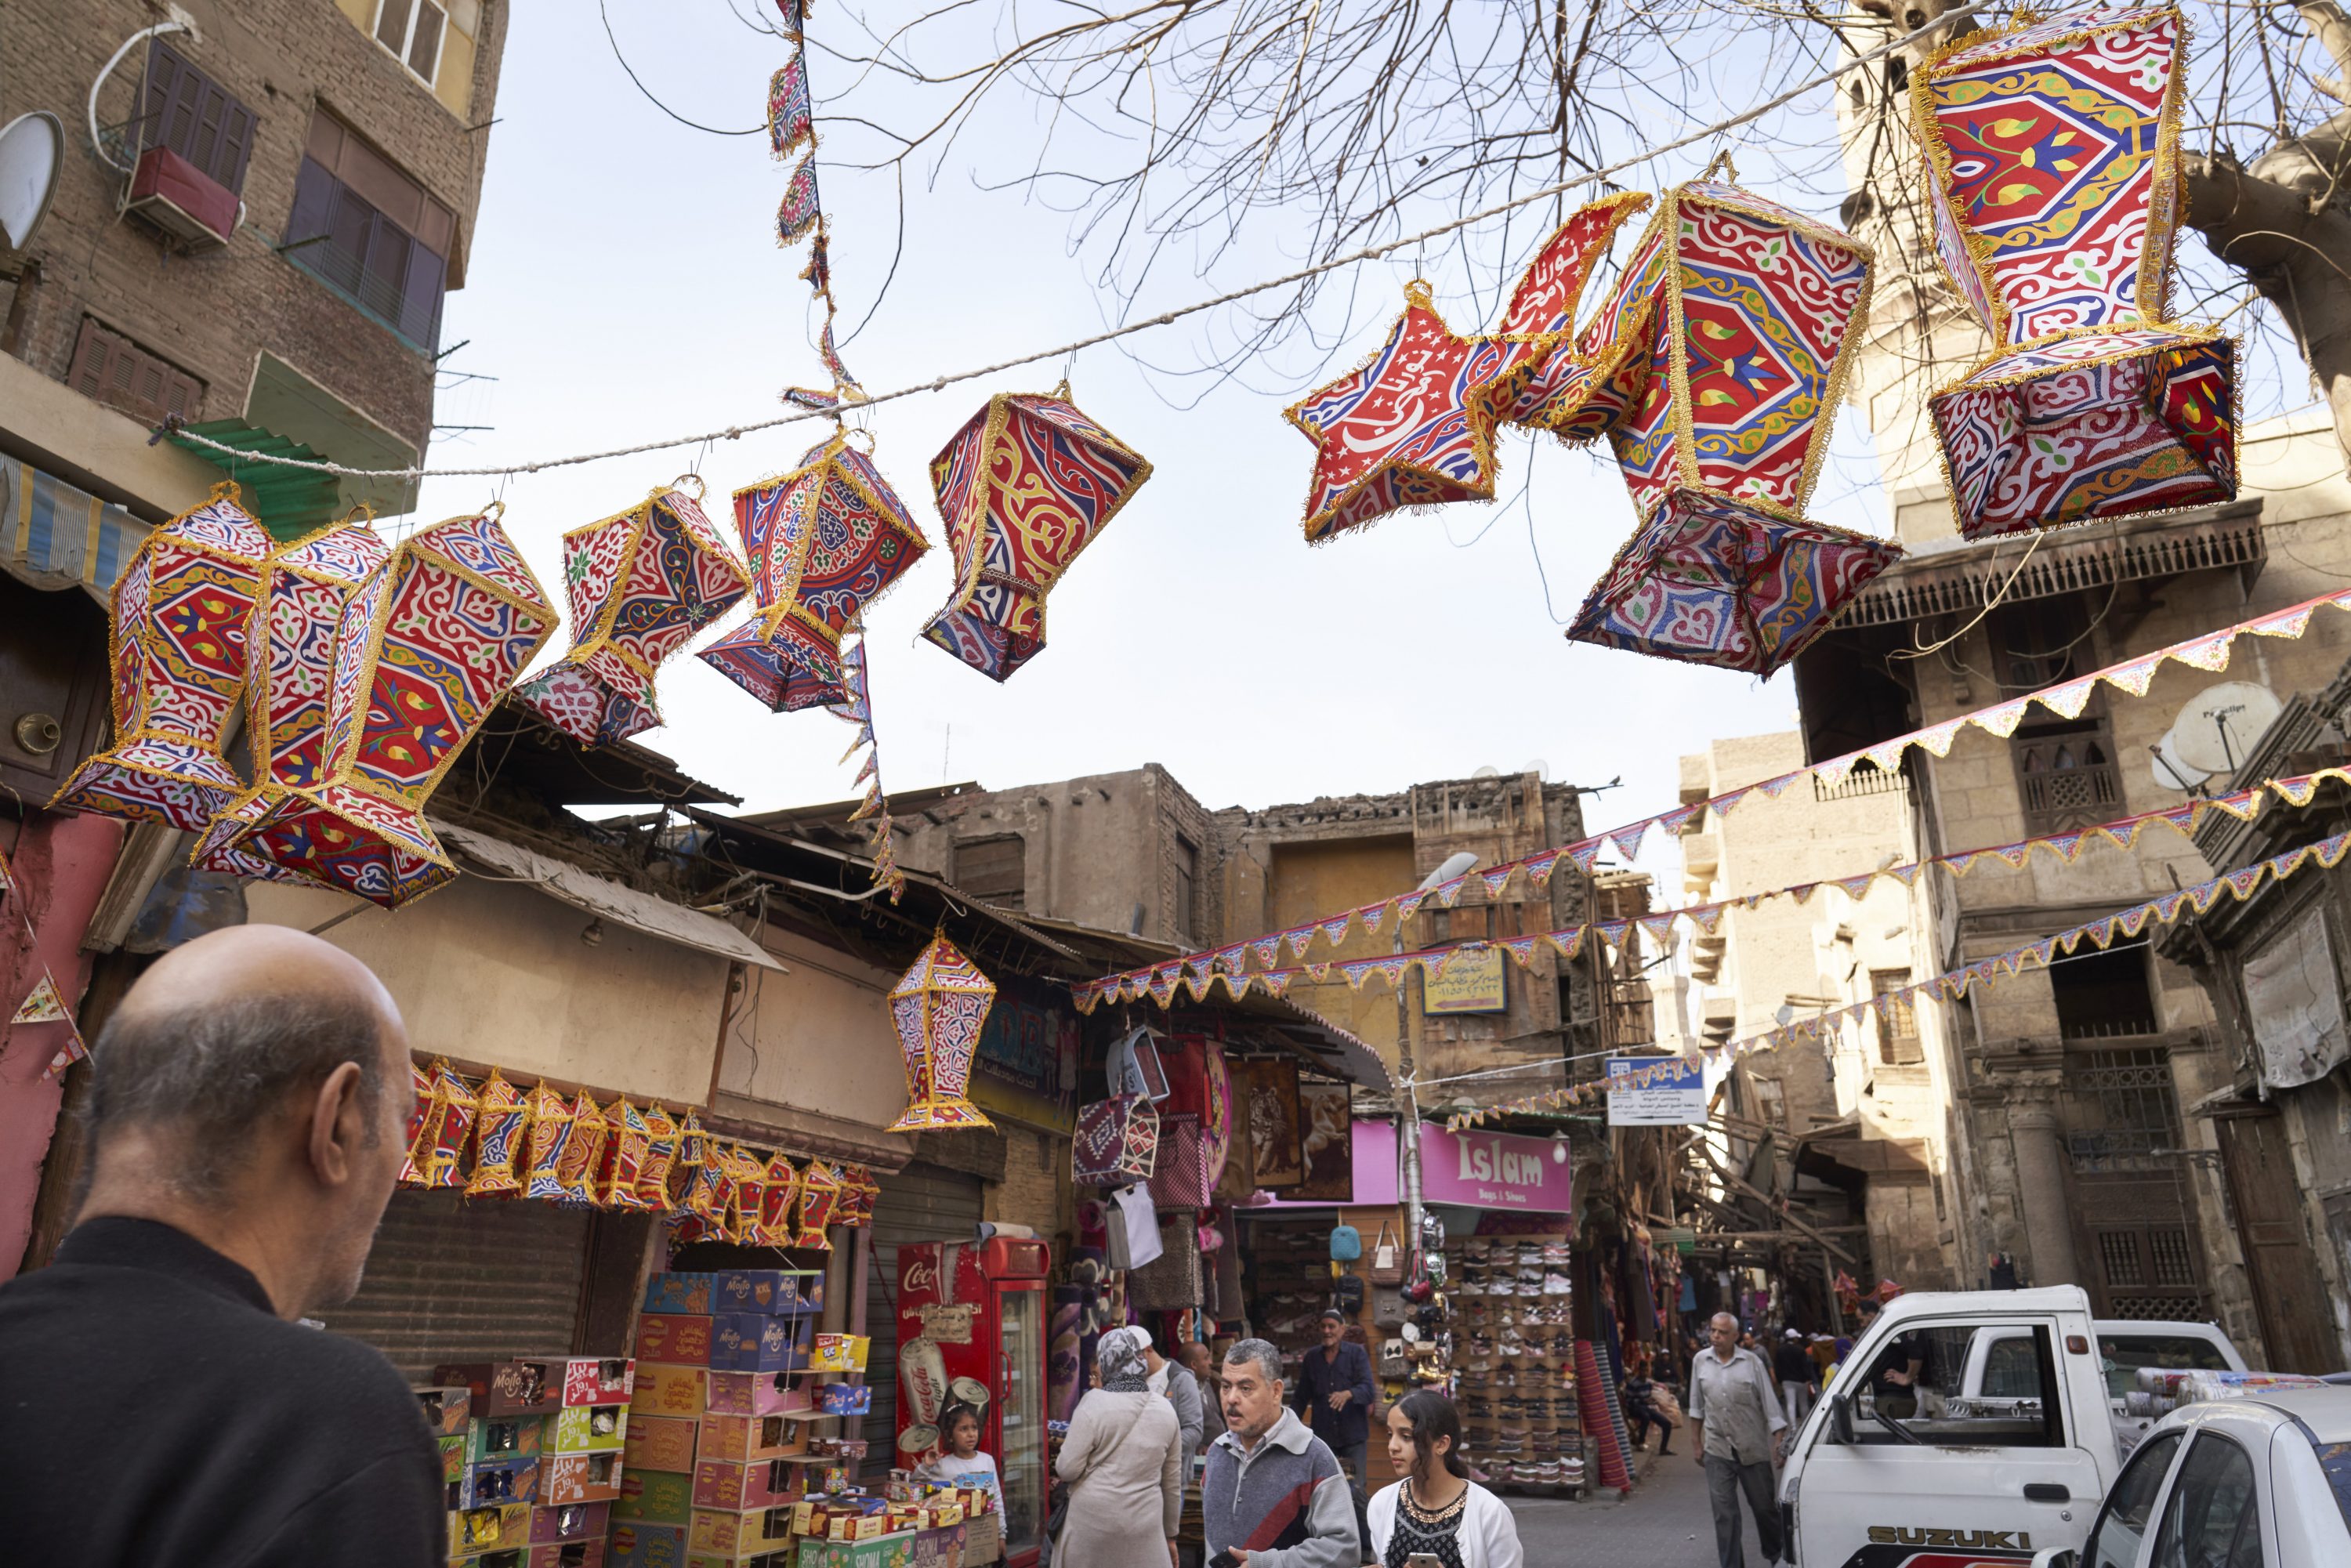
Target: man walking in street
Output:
[(1737, 1429), (161, 1403), (1794, 1363), (1273, 1496), (1334, 1396)]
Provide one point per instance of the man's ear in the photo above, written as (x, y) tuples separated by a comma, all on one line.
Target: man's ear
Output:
[(338, 1124)]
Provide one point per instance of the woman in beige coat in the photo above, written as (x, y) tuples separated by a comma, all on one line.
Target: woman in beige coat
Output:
[(1122, 1462)]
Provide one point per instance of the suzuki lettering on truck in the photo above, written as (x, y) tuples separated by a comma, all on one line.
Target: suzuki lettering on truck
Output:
[(1933, 1481)]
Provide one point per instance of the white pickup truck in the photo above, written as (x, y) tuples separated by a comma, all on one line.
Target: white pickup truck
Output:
[(1944, 1485), (1999, 1376)]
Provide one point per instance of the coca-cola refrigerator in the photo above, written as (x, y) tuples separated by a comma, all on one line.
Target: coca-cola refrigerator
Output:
[(971, 1328)]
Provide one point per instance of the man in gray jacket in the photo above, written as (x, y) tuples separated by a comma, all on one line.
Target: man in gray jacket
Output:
[(1274, 1496)]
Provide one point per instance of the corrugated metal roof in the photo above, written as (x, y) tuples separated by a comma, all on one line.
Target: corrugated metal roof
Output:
[(290, 502)]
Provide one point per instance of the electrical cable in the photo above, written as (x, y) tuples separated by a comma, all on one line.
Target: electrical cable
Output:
[(937, 383), (623, 59)]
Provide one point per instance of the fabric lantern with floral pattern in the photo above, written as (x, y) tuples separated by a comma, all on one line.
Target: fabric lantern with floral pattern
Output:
[(181, 611), (425, 646), (825, 541), (1026, 484), (640, 582), (1717, 362), (2052, 159), (939, 1007), (304, 584)]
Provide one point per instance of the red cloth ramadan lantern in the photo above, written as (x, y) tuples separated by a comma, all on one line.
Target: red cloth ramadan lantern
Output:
[(425, 648), (1025, 484), (938, 1007), (291, 640), (2052, 157), (641, 584), (825, 541), (1721, 354), (180, 612)]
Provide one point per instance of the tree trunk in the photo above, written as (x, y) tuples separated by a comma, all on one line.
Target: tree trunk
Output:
[(2282, 219)]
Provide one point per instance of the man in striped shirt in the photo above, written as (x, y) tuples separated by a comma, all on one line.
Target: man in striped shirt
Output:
[(1737, 1429)]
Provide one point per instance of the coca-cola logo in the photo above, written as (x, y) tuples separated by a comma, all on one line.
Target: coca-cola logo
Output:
[(920, 1274)]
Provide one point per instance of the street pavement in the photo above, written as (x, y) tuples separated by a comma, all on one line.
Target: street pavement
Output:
[(1664, 1523)]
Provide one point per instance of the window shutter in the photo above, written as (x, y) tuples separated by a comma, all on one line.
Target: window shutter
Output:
[(195, 117), (314, 207), (92, 352), (110, 369)]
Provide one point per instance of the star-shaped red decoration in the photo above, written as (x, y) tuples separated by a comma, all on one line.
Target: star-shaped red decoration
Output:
[(1397, 432)]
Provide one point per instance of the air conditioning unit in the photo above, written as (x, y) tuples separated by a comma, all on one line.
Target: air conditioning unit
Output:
[(181, 200)]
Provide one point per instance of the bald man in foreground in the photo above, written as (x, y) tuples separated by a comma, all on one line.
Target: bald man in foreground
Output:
[(160, 1403)]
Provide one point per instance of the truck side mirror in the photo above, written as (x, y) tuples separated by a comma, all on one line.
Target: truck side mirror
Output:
[(1840, 1419), (2056, 1557)]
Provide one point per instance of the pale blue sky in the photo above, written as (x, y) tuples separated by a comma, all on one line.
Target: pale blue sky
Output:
[(623, 283)]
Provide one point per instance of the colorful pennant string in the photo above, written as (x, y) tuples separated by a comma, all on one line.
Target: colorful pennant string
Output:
[(1953, 984), (2207, 651), (791, 133), (1195, 972), (875, 807)]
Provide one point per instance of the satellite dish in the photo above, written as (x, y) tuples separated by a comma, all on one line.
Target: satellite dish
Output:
[(1489, 771), (32, 149), (2217, 730), (1538, 768), (2170, 772)]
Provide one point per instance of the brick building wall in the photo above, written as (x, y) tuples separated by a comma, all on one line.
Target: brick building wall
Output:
[(211, 315)]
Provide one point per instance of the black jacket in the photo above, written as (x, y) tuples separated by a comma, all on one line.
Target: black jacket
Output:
[(156, 1413), (1319, 1379)]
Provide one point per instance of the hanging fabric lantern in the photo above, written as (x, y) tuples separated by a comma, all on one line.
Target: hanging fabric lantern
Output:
[(824, 541), (641, 584), (662, 1136), (1026, 484), (425, 646), (2052, 154), (1742, 310), (501, 1139), (938, 1008), (783, 1190), (626, 1139), (180, 614), (819, 1195), (1530, 365), (304, 586), (746, 1199)]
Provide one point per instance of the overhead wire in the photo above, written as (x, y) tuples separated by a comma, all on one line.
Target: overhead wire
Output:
[(1375, 252)]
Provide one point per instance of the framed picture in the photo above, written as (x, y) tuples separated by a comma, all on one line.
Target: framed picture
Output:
[(1265, 1105), (1329, 1144)]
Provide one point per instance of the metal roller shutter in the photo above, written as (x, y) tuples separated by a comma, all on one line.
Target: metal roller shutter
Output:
[(452, 1281), (921, 1203)]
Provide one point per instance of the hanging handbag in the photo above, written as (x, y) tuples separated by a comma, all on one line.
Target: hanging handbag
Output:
[(1346, 1244), (1179, 1172), (1394, 1362), (1387, 1306), (1135, 1067), (1387, 1258), (1116, 1141), (1171, 1282), (1134, 1229), (1347, 1293)]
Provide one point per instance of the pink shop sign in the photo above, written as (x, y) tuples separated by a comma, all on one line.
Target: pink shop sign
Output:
[(1494, 1170)]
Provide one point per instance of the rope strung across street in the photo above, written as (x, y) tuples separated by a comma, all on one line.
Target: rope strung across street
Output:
[(1167, 317)]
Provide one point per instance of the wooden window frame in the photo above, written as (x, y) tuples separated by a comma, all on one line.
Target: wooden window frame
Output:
[(173, 80), (415, 9), (108, 367), (1017, 897), (2095, 789)]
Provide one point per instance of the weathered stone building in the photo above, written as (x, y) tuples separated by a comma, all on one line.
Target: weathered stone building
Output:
[(2068, 1146), (1859, 1113), (259, 210), (1135, 852)]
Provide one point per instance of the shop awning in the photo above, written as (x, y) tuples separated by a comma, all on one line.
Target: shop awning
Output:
[(602, 897), (54, 535)]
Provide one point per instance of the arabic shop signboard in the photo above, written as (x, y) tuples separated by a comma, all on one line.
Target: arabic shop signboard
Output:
[(1656, 1092), (1472, 983), (1494, 1170)]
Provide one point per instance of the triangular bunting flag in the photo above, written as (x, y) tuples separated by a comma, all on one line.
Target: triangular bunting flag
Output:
[(43, 1004)]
